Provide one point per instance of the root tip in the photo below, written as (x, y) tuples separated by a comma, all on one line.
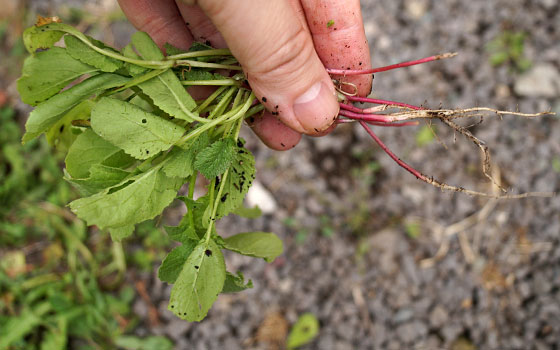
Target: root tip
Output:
[(447, 55)]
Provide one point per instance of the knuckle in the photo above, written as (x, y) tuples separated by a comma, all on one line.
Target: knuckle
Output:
[(153, 25), (286, 57)]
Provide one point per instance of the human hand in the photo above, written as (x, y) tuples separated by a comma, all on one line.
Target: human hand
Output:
[(283, 47)]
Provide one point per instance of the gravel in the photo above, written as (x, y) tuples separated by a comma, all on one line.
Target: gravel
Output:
[(368, 283)]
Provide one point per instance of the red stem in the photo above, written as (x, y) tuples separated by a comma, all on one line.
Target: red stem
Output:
[(351, 108), (364, 117), (391, 154), (344, 121), (346, 72)]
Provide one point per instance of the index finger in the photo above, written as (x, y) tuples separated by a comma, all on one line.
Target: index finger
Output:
[(338, 35)]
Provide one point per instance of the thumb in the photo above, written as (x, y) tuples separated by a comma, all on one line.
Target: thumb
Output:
[(271, 41)]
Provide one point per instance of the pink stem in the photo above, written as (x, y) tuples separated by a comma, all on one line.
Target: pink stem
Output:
[(392, 155), (364, 117), (394, 124), (346, 72), (381, 102), (351, 108), (344, 121)]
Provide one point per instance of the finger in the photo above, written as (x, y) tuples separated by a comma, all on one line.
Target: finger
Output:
[(338, 34), (160, 19), (273, 132), (202, 29), (277, 54)]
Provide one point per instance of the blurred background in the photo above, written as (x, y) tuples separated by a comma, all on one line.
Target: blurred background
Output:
[(379, 259)]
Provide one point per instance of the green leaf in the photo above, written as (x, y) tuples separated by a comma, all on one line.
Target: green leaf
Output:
[(56, 337), (198, 46), (47, 72), (181, 161), (165, 90), (17, 327), (62, 134), (330, 23), (199, 74), (198, 209), (249, 213), (133, 69), (129, 342), (413, 229), (240, 177), (35, 38), (236, 283), (216, 158), (120, 233), (173, 263), (48, 113), (425, 135), (304, 331), (199, 283), (556, 164), (140, 198), (171, 50), (137, 132), (89, 149), (182, 233), (80, 51), (264, 245), (146, 47), (100, 177)]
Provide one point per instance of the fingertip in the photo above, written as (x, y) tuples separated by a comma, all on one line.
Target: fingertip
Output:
[(273, 133), (317, 108), (339, 38)]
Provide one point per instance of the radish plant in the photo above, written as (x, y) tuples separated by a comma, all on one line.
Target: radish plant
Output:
[(134, 136)]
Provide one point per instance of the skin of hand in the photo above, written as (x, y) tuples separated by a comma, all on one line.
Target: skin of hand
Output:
[(283, 47)]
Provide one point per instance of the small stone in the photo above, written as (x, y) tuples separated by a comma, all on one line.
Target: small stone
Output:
[(259, 195), (140, 308), (438, 317), (411, 332), (541, 81), (403, 315), (176, 328), (416, 8)]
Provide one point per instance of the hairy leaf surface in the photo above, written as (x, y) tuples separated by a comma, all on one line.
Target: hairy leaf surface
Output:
[(216, 158), (181, 160), (236, 185)]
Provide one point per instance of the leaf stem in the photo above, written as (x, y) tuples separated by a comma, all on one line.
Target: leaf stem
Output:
[(199, 64), (210, 99), (220, 82), (201, 53)]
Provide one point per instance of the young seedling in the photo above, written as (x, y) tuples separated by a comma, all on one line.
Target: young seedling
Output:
[(134, 136)]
